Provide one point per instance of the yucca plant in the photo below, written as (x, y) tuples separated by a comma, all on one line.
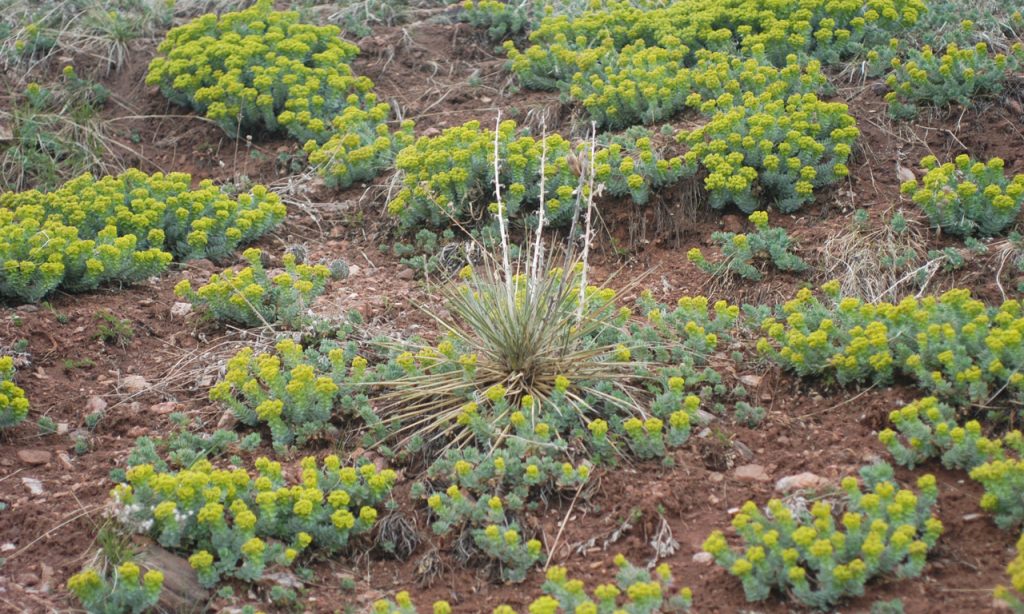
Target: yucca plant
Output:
[(527, 339)]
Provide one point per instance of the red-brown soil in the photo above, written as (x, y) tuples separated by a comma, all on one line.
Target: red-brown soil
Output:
[(442, 75)]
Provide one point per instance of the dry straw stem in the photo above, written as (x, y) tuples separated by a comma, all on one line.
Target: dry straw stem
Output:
[(861, 258)]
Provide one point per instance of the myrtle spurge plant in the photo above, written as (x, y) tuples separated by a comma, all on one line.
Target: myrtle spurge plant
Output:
[(563, 46), (635, 590), (250, 297), (1012, 596), (967, 197), (960, 75), (261, 69), (928, 428), (294, 391), (233, 523), (760, 150), (360, 147), (123, 228), (14, 405), (820, 559), (443, 177), (741, 251), (653, 84), (952, 346), (125, 590)]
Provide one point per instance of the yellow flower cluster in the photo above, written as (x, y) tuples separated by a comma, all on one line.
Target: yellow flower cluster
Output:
[(13, 404), (443, 176), (635, 590), (120, 592), (967, 197), (954, 346), (957, 75), (759, 149), (820, 561), (261, 68), (287, 391), (122, 228), (251, 297), (201, 509)]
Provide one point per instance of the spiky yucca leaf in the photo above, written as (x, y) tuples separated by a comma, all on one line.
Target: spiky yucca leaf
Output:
[(526, 344)]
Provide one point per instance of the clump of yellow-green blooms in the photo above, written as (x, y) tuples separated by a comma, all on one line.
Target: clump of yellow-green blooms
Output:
[(1012, 596), (124, 228), (967, 197), (444, 176), (14, 405), (958, 75), (361, 145), (820, 559), (290, 392), (261, 69), (759, 149), (928, 428), (232, 523), (250, 297), (954, 347), (741, 250), (636, 590), (564, 45), (126, 589)]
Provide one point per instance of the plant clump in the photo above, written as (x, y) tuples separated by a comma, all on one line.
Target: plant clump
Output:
[(251, 297), (953, 346), (635, 589), (741, 250), (261, 69), (819, 559), (967, 197), (446, 178), (232, 523), (124, 228), (958, 75), (928, 428), (14, 405), (125, 589)]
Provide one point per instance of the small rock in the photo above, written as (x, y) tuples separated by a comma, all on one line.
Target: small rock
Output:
[(703, 558), (751, 380), (800, 481), (163, 408), (34, 457), (27, 579), (353, 270), (715, 477), (62, 428), (202, 264), (751, 473), (7, 547), (27, 308), (406, 274), (904, 174), (743, 449), (732, 223), (95, 405), (180, 310), (227, 421), (34, 486), (134, 383)]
